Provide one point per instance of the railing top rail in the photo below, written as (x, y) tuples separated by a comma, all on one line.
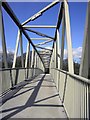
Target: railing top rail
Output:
[(5, 69), (80, 78)]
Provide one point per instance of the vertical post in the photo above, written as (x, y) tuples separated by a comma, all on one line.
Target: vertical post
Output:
[(29, 58), (58, 58), (16, 49), (85, 61), (32, 61), (68, 37), (55, 54), (35, 60), (62, 41), (27, 54), (53, 59), (38, 62), (58, 48), (3, 39), (22, 60)]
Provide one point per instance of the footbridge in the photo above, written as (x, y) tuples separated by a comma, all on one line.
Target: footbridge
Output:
[(41, 88)]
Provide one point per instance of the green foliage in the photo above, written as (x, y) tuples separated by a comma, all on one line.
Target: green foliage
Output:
[(76, 66), (65, 65)]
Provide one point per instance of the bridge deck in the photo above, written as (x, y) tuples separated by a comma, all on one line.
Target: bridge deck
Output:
[(36, 98)]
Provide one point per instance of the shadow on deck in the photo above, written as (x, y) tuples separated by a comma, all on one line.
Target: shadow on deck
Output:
[(36, 98)]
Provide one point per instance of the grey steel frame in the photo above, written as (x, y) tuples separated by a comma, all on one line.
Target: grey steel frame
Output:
[(52, 58)]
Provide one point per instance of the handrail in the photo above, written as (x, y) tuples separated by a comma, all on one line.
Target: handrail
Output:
[(80, 78), (4, 69)]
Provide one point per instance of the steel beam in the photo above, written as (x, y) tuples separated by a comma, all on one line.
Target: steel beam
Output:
[(85, 61), (41, 39), (44, 42), (33, 58), (41, 12), (14, 18), (45, 57), (68, 37), (46, 63), (21, 48), (3, 39), (60, 15), (55, 55), (46, 51), (35, 65), (39, 26), (16, 49), (39, 33), (27, 55), (58, 48), (43, 48), (59, 21), (62, 41)]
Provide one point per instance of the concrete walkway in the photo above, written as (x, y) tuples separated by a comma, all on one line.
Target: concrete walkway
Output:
[(37, 98)]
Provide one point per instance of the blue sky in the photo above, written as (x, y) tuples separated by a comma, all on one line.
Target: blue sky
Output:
[(25, 10)]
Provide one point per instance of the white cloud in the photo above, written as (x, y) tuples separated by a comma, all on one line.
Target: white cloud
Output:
[(8, 51), (49, 47), (77, 52)]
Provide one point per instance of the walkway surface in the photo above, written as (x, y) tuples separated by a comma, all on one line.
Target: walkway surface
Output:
[(36, 98)]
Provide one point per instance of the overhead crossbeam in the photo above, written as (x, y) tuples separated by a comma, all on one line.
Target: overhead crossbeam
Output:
[(45, 54), (15, 19), (39, 33), (41, 12), (45, 57), (39, 26), (46, 62), (43, 43), (43, 48), (41, 38)]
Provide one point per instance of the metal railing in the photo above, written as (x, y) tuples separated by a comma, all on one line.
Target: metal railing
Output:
[(74, 92), (9, 78)]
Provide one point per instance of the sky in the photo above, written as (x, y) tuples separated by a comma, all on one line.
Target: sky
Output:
[(24, 10)]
